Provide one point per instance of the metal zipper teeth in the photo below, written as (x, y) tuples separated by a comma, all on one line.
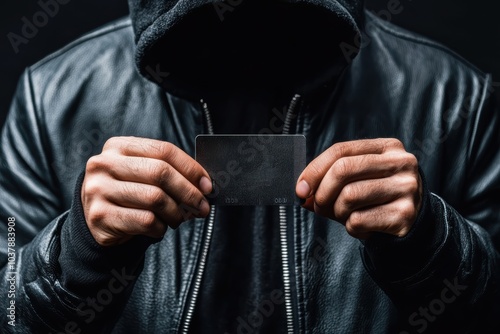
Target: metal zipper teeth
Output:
[(205, 242), (201, 269), (286, 269), (287, 284)]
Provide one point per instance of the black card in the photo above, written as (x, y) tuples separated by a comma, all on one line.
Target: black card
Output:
[(252, 169)]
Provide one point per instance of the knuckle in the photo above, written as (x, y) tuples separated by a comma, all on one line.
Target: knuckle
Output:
[(155, 198), (412, 159), (354, 225), (339, 149), (349, 229), (112, 143), (160, 172), (402, 230), (409, 162), (147, 219), (392, 143), (190, 169), (321, 200), (101, 238), (167, 150), (411, 184), (349, 194), (356, 221), (92, 186), (340, 212), (95, 164), (341, 169), (407, 211), (97, 215)]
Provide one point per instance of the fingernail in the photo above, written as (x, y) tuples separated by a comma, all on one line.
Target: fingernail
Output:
[(204, 206), (303, 189), (205, 185)]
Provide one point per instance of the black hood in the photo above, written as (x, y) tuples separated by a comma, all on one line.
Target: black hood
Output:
[(209, 46)]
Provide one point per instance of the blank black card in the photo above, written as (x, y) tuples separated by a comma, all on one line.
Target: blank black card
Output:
[(252, 169)]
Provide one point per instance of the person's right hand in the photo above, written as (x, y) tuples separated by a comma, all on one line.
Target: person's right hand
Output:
[(140, 186)]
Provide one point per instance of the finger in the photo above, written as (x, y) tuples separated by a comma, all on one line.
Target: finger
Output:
[(147, 197), (110, 221), (148, 171), (362, 167), (165, 151), (311, 177), (395, 218), (367, 193)]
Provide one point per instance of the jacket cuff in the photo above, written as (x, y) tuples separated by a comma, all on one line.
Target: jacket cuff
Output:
[(86, 265), (393, 258)]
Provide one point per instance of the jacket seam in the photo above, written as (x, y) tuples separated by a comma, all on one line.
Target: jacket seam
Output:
[(41, 137), (38, 315), (414, 37), (36, 112), (49, 277), (117, 25), (477, 117)]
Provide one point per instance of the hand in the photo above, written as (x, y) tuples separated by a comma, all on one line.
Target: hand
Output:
[(140, 186), (368, 185)]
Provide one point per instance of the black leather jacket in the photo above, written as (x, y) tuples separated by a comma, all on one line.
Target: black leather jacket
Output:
[(442, 277)]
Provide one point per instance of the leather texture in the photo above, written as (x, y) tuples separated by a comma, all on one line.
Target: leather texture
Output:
[(399, 85)]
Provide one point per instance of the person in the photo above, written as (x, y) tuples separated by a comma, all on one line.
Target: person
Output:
[(104, 211)]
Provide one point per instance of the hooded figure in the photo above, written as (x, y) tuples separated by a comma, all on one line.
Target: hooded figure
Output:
[(179, 68)]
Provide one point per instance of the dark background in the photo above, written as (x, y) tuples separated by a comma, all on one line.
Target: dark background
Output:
[(471, 28)]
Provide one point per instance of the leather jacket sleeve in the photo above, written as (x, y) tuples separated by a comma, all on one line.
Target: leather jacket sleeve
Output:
[(55, 276), (444, 275)]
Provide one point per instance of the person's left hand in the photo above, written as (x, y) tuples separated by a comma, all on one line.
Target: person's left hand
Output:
[(368, 185)]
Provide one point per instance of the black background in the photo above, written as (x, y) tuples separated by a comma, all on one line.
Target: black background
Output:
[(471, 28)]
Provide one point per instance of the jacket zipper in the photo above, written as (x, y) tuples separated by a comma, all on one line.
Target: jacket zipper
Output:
[(287, 283), (207, 238), (201, 268)]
